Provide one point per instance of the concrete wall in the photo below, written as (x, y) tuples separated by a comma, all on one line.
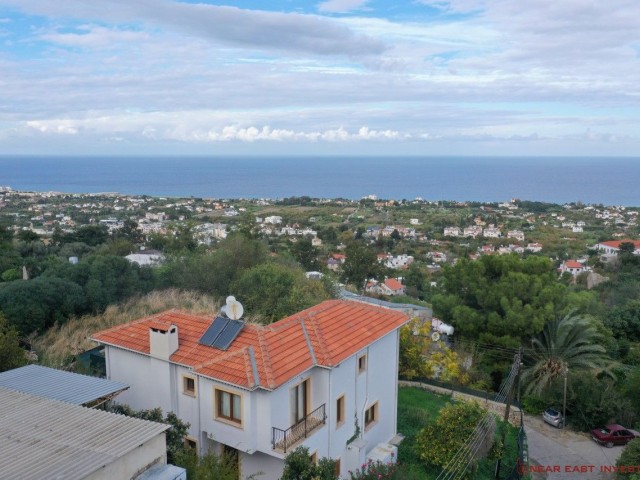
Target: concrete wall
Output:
[(135, 462), (269, 468)]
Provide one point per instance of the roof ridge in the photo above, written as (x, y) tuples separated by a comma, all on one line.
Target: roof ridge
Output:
[(266, 358), (321, 342)]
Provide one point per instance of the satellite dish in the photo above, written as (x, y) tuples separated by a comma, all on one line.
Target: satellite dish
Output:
[(233, 309), (435, 336)]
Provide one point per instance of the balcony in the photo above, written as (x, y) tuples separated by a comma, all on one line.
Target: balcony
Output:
[(283, 440)]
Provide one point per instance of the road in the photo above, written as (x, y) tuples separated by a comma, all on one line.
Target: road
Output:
[(568, 454)]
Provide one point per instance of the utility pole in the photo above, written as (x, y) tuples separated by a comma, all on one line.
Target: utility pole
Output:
[(564, 401), (517, 362)]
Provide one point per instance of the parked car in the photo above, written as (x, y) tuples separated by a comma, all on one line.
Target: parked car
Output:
[(611, 435), (553, 417)]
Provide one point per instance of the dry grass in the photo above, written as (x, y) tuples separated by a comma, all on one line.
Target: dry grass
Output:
[(57, 347)]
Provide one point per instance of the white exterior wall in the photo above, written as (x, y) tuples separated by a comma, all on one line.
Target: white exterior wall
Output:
[(150, 379), (135, 462)]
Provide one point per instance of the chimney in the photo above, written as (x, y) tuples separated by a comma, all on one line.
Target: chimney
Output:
[(163, 340)]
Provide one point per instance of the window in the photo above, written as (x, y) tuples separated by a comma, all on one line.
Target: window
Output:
[(228, 406), (300, 401), (340, 411), (336, 470), (371, 415), (189, 386), (362, 363)]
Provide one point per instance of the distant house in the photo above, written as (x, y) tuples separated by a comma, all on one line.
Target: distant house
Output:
[(451, 232), (612, 247), (390, 287), (534, 247), (573, 267), (333, 264), (148, 258), (517, 234)]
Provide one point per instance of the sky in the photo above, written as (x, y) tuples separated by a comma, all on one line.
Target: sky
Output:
[(344, 77)]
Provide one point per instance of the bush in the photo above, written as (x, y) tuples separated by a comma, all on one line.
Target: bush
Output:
[(630, 456), (374, 471), (439, 442), (533, 404)]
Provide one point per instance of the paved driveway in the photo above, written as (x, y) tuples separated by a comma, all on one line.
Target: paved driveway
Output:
[(568, 454)]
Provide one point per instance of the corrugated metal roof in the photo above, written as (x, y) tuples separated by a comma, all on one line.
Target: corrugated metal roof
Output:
[(59, 385), (44, 438)]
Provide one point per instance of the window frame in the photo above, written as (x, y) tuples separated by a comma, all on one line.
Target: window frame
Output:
[(294, 392), (373, 413), (340, 410), (218, 394), (362, 363), (185, 390)]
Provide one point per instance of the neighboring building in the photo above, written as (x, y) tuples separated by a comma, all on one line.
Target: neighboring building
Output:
[(149, 258), (44, 438), (612, 247), (473, 231), (517, 234), (390, 287), (534, 247), (305, 380), (61, 385), (273, 220), (451, 232), (492, 232), (573, 267), (413, 311)]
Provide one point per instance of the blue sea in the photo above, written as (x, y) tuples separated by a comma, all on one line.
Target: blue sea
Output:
[(608, 181)]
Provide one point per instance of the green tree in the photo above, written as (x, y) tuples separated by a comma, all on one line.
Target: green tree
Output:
[(11, 355), (438, 442), (214, 273), (360, 264), (304, 251), (276, 291), (499, 299), (569, 344)]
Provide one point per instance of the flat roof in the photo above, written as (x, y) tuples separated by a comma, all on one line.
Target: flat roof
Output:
[(44, 438), (60, 385), (383, 303)]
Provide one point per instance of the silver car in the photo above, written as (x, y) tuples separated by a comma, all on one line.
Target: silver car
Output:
[(553, 417)]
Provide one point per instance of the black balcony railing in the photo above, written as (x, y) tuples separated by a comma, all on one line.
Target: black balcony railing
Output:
[(282, 440)]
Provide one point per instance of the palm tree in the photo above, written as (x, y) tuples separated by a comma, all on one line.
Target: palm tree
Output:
[(569, 343)]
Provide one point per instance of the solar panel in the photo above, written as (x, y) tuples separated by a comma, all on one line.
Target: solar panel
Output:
[(214, 331), (228, 335)]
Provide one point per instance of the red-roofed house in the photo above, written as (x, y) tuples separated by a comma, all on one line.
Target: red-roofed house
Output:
[(612, 247), (307, 379), (389, 287), (573, 267)]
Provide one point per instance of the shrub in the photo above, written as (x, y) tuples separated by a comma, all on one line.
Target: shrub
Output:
[(374, 471)]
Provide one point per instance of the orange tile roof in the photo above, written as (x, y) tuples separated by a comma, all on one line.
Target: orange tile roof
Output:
[(323, 335), (393, 284), (617, 243), (573, 264)]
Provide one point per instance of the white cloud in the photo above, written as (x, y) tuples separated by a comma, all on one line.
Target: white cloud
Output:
[(341, 6), (247, 28)]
